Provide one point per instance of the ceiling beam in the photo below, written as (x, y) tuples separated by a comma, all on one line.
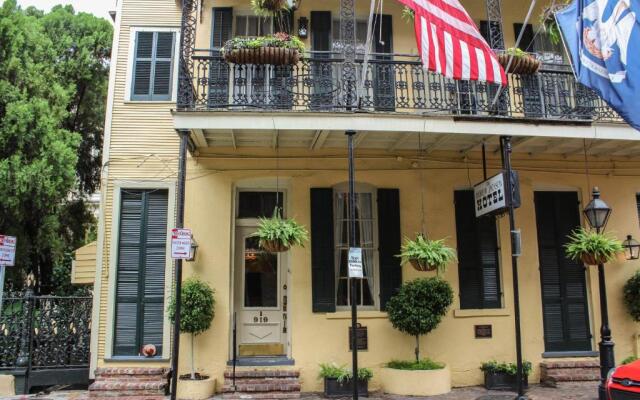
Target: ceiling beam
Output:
[(318, 140), (359, 138), (483, 139), (233, 139), (518, 142), (274, 139), (626, 149), (591, 146), (404, 138), (440, 140), (198, 138)]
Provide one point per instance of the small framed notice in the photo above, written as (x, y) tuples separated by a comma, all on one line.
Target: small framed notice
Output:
[(483, 331), (181, 244), (355, 263), (7, 250)]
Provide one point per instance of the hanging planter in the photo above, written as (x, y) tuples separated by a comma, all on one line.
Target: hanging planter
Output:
[(427, 255), (278, 235), (592, 248), (269, 8), (279, 49), (523, 63)]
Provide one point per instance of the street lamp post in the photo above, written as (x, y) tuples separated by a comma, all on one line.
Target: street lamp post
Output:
[(597, 213)]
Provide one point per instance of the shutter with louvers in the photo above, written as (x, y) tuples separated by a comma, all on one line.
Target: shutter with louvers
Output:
[(323, 273), (389, 239), (321, 70), (153, 66), (140, 271), (638, 206), (564, 295), (221, 31), (384, 72), (478, 254)]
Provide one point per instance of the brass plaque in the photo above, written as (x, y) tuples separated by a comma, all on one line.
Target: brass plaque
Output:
[(363, 338), (483, 331)]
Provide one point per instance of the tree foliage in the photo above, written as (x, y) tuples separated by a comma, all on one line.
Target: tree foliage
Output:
[(53, 79), (631, 296), (197, 307), (419, 306)]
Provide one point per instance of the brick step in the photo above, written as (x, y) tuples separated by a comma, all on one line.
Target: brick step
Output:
[(123, 395), (261, 396), (129, 378), (128, 386), (262, 373), (570, 364), (262, 387), (119, 371), (554, 372)]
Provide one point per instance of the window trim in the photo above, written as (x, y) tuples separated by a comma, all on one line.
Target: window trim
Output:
[(133, 33), (118, 187), (360, 187)]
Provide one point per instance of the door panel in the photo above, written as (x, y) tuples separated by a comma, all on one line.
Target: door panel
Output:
[(384, 82), (563, 281)]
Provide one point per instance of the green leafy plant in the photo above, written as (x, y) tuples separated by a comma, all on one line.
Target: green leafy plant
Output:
[(197, 311), (516, 52), (286, 232), (548, 21), (631, 296), (629, 360), (419, 306), (342, 374), (422, 365), (281, 40), (269, 8), (432, 254), (599, 246), (408, 14), (494, 367)]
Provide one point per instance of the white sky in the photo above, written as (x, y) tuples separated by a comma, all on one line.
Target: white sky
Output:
[(99, 8)]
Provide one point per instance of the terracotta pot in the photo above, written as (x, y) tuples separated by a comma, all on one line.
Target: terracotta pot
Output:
[(263, 56), (591, 259), (274, 246), (524, 65), (419, 265)]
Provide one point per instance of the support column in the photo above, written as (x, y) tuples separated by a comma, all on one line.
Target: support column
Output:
[(494, 21), (348, 40)]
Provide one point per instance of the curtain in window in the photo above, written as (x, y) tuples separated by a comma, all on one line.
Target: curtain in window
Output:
[(365, 222)]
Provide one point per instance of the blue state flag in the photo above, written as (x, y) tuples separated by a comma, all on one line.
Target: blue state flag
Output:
[(603, 39)]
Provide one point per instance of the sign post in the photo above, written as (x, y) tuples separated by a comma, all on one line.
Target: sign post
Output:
[(7, 259)]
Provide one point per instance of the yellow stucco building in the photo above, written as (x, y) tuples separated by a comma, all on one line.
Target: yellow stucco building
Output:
[(261, 136)]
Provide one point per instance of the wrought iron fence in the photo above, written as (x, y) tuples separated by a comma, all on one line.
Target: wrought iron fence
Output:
[(45, 333), (389, 83)]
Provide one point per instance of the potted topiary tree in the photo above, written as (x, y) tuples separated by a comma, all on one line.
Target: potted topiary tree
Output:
[(503, 376), (592, 248), (417, 309), (338, 380), (427, 255), (277, 234), (196, 314), (631, 295)]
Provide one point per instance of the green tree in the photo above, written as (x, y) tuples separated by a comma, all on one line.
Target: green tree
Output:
[(52, 94), (419, 306)]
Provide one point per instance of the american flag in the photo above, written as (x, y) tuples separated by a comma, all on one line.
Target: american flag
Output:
[(450, 43)]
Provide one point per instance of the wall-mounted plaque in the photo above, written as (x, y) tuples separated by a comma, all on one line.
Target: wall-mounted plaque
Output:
[(483, 331), (363, 338)]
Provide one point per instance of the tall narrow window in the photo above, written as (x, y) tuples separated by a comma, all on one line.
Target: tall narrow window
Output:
[(365, 238), (478, 266), (153, 66), (139, 309)]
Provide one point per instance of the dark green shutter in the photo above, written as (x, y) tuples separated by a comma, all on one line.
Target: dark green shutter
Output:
[(638, 205), (389, 238), (478, 265), (221, 31), (321, 30), (153, 66), (384, 85), (323, 274), (140, 271)]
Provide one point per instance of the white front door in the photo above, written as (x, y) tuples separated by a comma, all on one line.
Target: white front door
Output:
[(260, 298)]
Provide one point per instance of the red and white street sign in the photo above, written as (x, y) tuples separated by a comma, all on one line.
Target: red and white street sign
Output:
[(7, 250), (181, 243)]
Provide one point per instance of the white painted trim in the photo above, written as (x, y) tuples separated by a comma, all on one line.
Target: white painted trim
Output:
[(130, 57), (97, 286), (299, 121), (113, 260)]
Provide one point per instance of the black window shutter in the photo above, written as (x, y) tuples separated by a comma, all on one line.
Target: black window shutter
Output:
[(222, 24), (638, 205), (140, 271), (320, 30), (323, 273), (478, 266), (221, 31), (389, 244), (526, 43)]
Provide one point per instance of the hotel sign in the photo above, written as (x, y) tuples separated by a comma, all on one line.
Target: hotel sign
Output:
[(491, 195)]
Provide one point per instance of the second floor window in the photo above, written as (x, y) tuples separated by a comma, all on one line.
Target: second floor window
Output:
[(153, 66), (252, 26)]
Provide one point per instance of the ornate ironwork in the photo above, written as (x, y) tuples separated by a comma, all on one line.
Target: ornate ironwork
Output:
[(187, 46), (394, 83), (494, 24), (348, 39)]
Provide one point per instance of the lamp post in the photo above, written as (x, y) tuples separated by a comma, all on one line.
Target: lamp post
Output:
[(597, 213), (631, 248)]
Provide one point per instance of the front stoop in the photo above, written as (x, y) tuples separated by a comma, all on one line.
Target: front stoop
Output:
[(262, 384), (554, 372), (129, 383)]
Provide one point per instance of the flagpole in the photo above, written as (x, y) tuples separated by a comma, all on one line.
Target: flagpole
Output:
[(526, 21)]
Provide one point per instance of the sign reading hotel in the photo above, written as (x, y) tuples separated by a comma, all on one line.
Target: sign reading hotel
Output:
[(490, 195), (7, 250), (355, 263), (180, 243)]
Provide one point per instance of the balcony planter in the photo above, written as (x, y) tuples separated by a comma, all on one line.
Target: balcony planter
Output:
[(503, 381), (522, 64), (279, 49), (416, 382), (336, 388)]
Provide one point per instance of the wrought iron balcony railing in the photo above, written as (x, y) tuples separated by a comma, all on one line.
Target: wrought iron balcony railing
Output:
[(391, 83)]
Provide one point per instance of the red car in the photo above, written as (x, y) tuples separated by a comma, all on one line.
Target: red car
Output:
[(624, 382)]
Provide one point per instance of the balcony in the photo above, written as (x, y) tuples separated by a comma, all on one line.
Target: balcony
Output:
[(392, 83)]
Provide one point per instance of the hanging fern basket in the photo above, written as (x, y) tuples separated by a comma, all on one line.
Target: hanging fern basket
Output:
[(421, 265), (592, 259), (521, 65), (273, 5), (263, 56), (274, 246)]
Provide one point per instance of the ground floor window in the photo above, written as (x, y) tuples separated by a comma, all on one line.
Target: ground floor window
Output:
[(478, 255), (140, 274)]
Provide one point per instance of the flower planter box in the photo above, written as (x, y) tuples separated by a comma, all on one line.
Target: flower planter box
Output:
[(503, 381), (263, 56), (198, 389), (416, 383), (522, 65), (333, 388)]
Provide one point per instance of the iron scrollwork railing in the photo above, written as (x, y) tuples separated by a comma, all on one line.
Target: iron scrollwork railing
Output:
[(392, 83)]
